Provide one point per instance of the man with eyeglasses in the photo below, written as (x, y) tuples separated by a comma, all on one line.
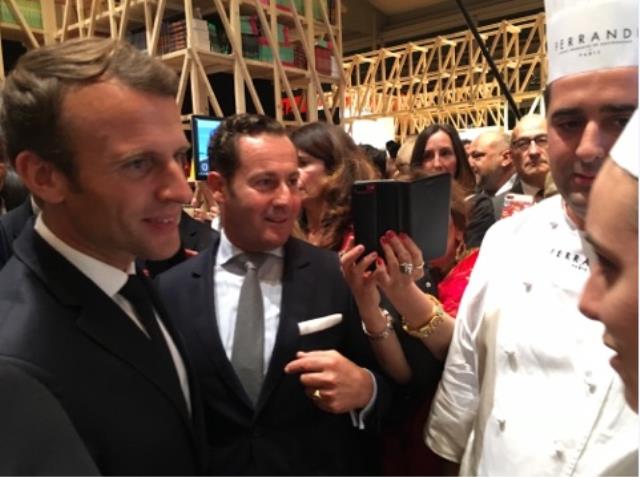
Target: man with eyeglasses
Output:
[(530, 158)]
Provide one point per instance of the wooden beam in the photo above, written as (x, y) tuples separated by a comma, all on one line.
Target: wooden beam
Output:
[(152, 47), (276, 56), (124, 19), (312, 71), (236, 47), (213, 100), (184, 76)]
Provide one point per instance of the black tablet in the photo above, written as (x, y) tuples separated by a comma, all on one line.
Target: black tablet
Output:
[(420, 208)]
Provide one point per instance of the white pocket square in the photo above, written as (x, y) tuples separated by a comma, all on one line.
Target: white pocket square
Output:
[(319, 324)]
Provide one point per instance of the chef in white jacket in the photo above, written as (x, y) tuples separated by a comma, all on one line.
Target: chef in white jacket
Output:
[(527, 388), (611, 293)]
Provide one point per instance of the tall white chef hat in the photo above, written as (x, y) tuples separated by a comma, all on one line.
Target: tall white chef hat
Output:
[(626, 150), (587, 35)]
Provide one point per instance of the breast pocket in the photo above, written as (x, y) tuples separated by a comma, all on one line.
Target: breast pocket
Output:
[(322, 339)]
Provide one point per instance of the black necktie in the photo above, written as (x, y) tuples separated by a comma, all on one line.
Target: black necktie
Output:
[(136, 291)]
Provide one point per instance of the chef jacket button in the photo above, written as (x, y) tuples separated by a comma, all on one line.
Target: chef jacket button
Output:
[(502, 424), (558, 452)]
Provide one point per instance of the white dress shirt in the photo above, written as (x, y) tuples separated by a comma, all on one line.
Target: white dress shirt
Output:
[(227, 286), (110, 280), (507, 186), (527, 388)]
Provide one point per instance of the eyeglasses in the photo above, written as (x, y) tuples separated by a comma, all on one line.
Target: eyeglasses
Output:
[(523, 143)]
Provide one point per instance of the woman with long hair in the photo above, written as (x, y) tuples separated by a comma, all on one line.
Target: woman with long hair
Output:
[(438, 148), (329, 163)]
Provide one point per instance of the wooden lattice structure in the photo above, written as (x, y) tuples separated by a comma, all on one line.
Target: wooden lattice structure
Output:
[(298, 91), (448, 80)]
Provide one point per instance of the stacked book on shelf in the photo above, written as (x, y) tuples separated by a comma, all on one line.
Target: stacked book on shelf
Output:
[(205, 35), (256, 46), (326, 63)]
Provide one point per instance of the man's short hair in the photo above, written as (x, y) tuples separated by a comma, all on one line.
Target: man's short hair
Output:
[(527, 119), (499, 138), (34, 91), (222, 151)]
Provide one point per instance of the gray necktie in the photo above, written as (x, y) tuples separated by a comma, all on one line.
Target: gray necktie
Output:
[(247, 357)]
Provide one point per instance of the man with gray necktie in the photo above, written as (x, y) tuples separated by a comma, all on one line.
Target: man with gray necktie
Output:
[(271, 326)]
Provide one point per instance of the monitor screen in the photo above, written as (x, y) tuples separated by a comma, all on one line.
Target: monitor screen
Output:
[(202, 128)]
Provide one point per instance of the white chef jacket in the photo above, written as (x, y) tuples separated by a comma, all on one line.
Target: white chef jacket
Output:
[(527, 388)]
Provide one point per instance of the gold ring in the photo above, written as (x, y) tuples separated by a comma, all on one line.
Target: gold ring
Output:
[(420, 265), (316, 394)]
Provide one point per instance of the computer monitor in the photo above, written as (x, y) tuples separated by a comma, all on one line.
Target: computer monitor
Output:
[(202, 128)]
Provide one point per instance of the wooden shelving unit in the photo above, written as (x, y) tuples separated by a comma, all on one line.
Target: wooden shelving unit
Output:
[(298, 91), (443, 79)]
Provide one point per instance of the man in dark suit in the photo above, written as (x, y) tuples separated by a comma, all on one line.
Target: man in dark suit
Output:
[(490, 160), (11, 224), (294, 398), (36, 436), (12, 191), (93, 130), (530, 158)]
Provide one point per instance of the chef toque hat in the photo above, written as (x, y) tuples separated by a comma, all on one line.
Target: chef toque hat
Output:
[(587, 35), (626, 150)]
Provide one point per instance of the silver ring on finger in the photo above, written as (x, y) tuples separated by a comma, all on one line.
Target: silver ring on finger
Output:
[(406, 268)]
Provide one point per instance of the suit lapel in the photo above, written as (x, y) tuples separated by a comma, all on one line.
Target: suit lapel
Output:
[(204, 317), (296, 287), (517, 187), (193, 234), (22, 215), (99, 317)]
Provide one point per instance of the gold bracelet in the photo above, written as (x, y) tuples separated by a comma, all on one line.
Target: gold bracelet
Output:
[(432, 323), (384, 333)]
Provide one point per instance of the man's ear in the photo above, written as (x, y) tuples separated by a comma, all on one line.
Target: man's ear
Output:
[(216, 184), (41, 177), (505, 158)]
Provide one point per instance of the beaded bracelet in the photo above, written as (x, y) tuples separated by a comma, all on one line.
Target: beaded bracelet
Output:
[(384, 333)]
